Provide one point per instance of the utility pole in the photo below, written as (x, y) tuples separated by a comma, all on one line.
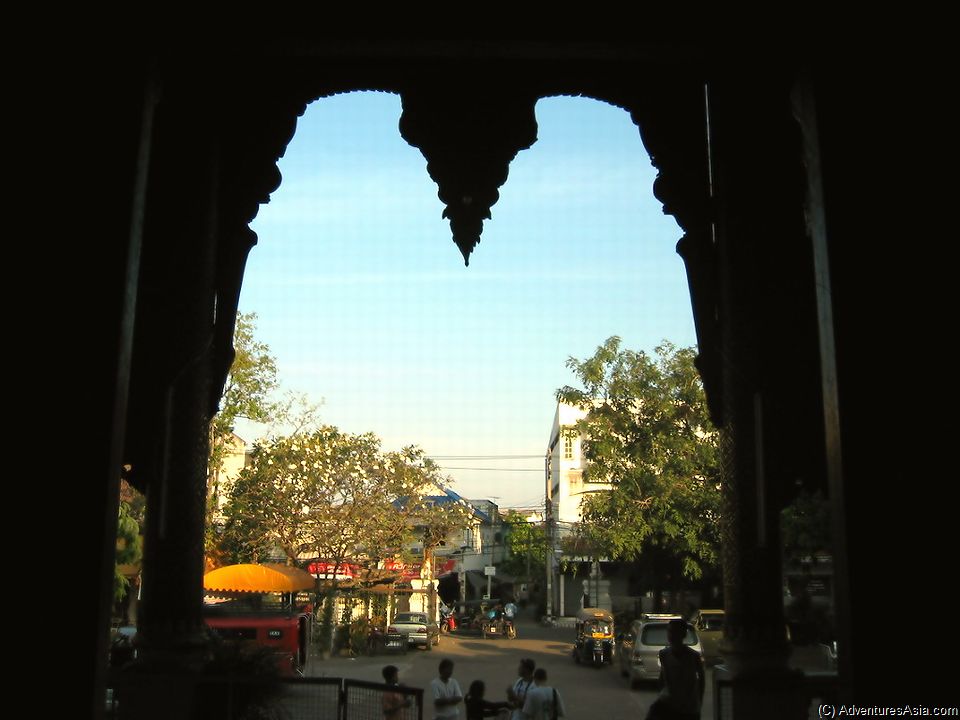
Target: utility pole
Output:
[(548, 519), (462, 577)]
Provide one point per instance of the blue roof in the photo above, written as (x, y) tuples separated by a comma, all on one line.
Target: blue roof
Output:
[(450, 496)]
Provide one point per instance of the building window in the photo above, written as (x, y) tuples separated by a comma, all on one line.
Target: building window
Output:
[(568, 448)]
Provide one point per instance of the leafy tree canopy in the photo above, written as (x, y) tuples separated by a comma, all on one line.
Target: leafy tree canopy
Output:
[(251, 380), (129, 548), (648, 434), (335, 495), (805, 526), (246, 394), (527, 542)]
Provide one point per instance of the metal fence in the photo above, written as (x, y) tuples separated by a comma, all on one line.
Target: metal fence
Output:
[(365, 701), (133, 697)]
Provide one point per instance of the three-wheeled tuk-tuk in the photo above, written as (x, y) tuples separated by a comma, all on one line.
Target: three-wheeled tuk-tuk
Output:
[(594, 643)]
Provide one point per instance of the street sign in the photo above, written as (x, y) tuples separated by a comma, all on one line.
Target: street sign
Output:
[(489, 570)]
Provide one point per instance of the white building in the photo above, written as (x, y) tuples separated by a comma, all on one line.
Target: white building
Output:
[(236, 456), (476, 542), (465, 551), (566, 488), (565, 481)]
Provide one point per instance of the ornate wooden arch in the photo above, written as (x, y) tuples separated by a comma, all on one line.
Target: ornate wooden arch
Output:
[(220, 125)]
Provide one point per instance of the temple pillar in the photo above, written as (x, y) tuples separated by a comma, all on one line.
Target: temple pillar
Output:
[(758, 238), (172, 380), (723, 149), (104, 292)]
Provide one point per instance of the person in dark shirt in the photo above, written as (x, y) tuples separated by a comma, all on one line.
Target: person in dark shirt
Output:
[(477, 707), (682, 678)]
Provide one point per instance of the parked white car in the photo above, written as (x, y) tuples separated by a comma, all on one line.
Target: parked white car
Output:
[(417, 629), (639, 647)]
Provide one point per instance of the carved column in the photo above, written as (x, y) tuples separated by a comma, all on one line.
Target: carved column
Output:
[(215, 162), (726, 174), (671, 116), (756, 227), (174, 377), (258, 118)]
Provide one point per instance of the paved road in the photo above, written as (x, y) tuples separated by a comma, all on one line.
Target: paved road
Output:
[(587, 692)]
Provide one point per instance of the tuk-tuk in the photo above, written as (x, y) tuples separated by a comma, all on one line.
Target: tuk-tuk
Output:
[(594, 643)]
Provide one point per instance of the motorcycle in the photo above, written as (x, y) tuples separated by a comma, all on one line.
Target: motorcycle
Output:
[(448, 621), (499, 626), (473, 616)]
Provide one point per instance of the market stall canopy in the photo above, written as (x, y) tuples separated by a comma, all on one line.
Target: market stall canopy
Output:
[(268, 577)]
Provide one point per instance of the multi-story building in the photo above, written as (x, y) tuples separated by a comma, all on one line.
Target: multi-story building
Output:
[(566, 485), (235, 457), (465, 552)]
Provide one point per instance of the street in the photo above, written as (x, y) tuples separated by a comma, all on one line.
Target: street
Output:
[(586, 691)]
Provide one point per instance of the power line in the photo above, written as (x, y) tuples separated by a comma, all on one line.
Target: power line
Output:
[(486, 457), (451, 467), (533, 502)]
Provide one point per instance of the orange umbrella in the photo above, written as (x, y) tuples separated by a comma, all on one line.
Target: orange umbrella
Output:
[(268, 577)]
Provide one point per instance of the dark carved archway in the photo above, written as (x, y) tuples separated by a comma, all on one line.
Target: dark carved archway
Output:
[(739, 163)]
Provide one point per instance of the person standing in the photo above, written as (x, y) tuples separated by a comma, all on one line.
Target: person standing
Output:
[(517, 693), (543, 701), (682, 678), (509, 619), (479, 708), (393, 702), (446, 692)]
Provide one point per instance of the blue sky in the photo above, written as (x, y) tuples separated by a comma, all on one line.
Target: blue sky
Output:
[(365, 302)]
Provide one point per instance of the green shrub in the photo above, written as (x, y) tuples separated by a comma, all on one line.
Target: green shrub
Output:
[(359, 635)]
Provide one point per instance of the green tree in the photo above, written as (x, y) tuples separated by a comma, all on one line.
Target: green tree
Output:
[(129, 548), (250, 382), (430, 520), (246, 394), (805, 526), (648, 434), (335, 495), (527, 542), (321, 492)]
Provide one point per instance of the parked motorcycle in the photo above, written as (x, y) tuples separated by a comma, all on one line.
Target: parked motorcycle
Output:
[(448, 621), (498, 627)]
